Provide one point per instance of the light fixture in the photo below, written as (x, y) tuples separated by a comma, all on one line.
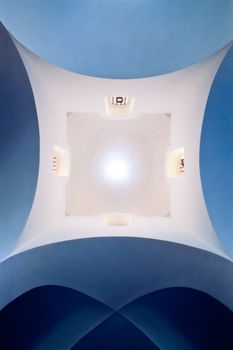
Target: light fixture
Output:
[(117, 219), (175, 163), (60, 165), (120, 106)]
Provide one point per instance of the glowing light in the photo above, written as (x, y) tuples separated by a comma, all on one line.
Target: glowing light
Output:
[(116, 169)]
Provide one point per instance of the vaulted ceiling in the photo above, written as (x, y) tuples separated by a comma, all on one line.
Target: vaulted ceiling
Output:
[(114, 264)]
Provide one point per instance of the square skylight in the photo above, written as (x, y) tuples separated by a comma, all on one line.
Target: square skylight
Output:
[(118, 165)]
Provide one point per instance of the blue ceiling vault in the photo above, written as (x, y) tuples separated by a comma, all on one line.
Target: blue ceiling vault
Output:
[(114, 293), (113, 296), (216, 156), (117, 270), (19, 144), (53, 317), (119, 38)]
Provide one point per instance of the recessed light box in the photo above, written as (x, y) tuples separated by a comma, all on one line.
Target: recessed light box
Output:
[(60, 165), (117, 220), (119, 106), (175, 163)]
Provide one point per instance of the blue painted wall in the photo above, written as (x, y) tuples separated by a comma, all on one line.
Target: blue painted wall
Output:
[(216, 153), (119, 38), (19, 144)]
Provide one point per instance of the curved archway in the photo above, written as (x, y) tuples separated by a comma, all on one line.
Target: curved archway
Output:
[(49, 317), (182, 318), (19, 144), (216, 160), (140, 265)]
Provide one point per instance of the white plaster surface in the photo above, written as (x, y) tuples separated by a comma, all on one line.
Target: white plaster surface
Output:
[(182, 94)]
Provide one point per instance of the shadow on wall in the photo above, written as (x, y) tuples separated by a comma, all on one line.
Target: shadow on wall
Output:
[(216, 156), (19, 144), (54, 317)]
